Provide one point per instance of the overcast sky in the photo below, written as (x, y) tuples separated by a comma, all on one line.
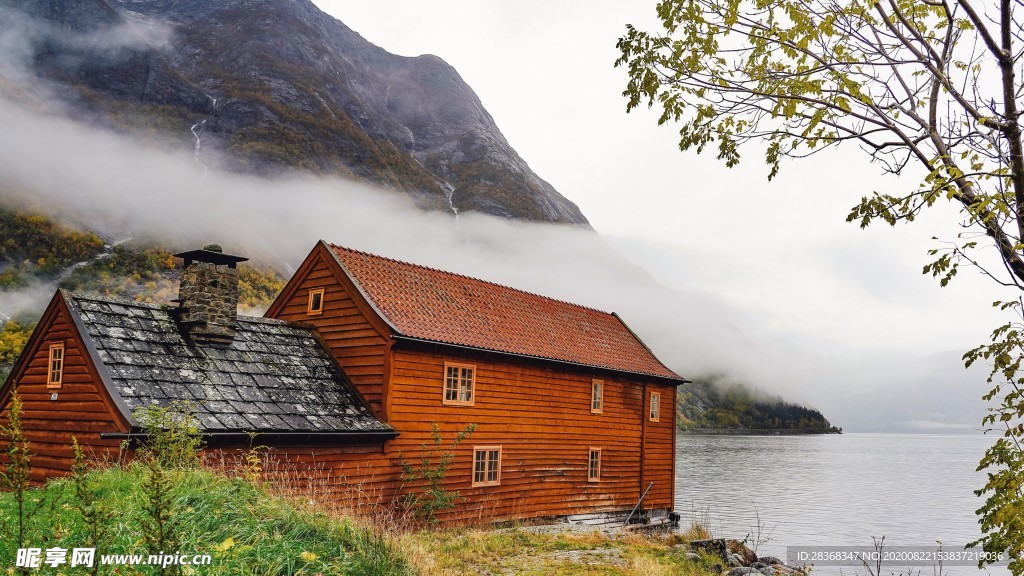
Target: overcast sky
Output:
[(779, 253)]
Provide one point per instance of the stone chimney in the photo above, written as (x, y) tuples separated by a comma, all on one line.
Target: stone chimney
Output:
[(208, 295)]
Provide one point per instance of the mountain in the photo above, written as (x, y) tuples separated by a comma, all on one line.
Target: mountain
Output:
[(269, 86)]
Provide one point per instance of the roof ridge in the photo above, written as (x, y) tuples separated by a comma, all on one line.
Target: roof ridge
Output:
[(274, 321), (114, 300), (468, 277), (123, 301)]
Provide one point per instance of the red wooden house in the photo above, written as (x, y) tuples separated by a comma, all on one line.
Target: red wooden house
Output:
[(358, 358)]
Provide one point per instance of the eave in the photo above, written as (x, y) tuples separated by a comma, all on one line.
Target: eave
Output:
[(676, 381)]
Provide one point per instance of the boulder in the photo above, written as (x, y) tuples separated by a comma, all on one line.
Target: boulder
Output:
[(714, 546), (771, 560), (743, 571), (747, 555), (693, 556)]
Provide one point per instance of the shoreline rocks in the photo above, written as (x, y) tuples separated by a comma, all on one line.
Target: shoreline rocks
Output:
[(744, 561)]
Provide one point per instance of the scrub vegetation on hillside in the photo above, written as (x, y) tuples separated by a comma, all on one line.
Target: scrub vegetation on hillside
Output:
[(38, 254)]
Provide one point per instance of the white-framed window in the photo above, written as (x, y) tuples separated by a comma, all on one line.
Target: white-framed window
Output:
[(655, 406), (486, 465), (597, 396), (55, 366), (594, 465), (316, 302), (459, 384)]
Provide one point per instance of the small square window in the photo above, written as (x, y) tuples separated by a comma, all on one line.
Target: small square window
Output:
[(594, 465), (459, 384), (486, 465), (316, 302), (597, 396), (655, 406), (55, 366)]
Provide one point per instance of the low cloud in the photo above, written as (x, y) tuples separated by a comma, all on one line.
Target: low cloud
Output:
[(23, 38), (15, 302), (119, 186), (22, 35)]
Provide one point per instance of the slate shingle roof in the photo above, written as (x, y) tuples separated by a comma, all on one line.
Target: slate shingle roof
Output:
[(274, 378), (430, 304)]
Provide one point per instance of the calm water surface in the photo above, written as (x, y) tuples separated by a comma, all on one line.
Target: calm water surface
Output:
[(835, 490)]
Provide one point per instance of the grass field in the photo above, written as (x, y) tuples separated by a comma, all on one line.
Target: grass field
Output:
[(250, 528)]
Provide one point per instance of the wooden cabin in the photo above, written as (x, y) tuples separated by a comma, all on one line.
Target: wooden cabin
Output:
[(358, 360)]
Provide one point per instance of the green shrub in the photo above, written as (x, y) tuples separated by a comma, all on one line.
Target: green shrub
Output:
[(431, 471)]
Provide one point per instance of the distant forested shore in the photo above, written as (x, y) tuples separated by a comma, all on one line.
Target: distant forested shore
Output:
[(711, 406), (757, 431)]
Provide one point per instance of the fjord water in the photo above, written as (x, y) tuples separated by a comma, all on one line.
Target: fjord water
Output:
[(835, 490)]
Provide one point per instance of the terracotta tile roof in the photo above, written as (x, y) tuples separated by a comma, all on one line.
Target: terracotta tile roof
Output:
[(430, 304)]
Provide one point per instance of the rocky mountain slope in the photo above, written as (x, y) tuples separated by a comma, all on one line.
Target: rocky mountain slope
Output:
[(266, 86)]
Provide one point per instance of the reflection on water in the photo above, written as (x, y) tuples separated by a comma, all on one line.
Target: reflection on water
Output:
[(835, 490)]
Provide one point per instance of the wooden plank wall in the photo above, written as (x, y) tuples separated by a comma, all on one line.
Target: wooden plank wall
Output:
[(357, 478), (659, 450), (356, 345), (542, 420), (81, 408)]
